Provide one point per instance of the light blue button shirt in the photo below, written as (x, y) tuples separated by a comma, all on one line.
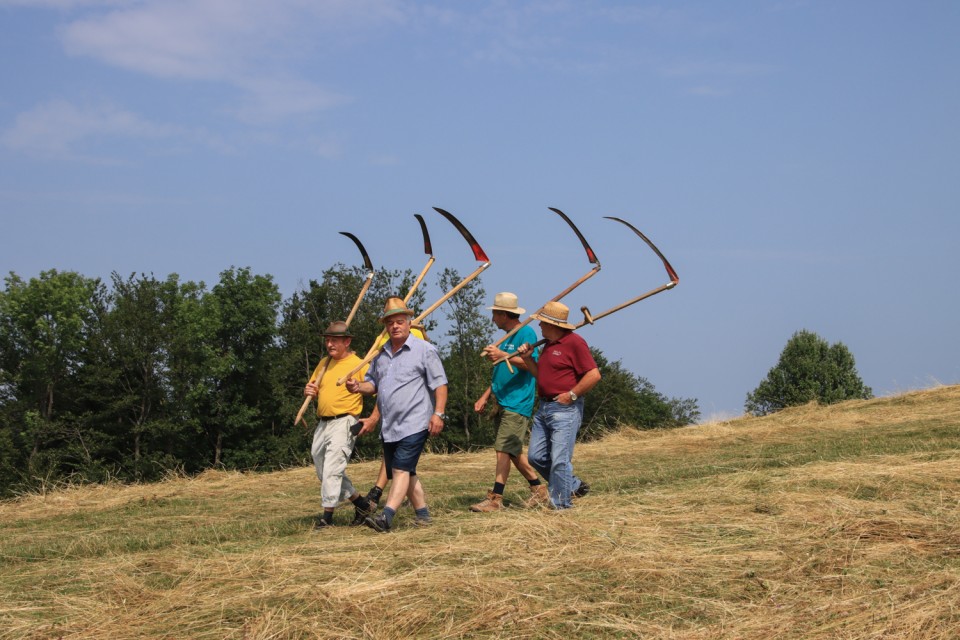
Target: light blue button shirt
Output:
[(405, 382)]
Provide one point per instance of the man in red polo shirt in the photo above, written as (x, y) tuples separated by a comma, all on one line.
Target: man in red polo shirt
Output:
[(565, 372)]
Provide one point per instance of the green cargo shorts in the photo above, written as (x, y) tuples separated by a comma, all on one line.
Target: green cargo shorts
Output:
[(511, 431)]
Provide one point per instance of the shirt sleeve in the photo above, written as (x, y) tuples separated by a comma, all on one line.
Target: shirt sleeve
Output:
[(582, 358), (436, 376), (370, 374)]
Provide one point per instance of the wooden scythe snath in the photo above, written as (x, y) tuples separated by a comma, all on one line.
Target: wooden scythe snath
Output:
[(318, 373), (478, 253), (588, 318)]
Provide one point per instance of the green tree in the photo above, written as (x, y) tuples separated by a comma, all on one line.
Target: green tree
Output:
[(45, 326), (244, 309), (809, 369), (129, 376), (468, 374)]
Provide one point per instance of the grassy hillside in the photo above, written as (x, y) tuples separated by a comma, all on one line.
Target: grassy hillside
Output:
[(817, 522)]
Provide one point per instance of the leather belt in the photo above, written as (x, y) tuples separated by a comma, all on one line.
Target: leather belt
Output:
[(336, 417)]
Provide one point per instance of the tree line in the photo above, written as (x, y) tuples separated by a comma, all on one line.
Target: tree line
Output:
[(138, 377)]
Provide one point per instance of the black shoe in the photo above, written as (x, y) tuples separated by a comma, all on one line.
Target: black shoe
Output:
[(582, 490), (322, 524), (378, 523), (360, 515)]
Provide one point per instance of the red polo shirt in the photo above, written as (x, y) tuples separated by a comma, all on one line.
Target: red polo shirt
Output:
[(562, 364)]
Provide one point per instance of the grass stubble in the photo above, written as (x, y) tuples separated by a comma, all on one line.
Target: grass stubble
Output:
[(816, 522)]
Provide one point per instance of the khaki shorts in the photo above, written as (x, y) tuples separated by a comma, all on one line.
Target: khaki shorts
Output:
[(511, 432)]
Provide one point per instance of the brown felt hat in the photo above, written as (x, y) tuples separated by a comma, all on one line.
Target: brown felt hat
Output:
[(506, 301), (394, 306), (338, 328), (555, 313)]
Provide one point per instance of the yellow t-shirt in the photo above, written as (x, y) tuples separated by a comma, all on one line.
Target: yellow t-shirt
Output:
[(331, 399)]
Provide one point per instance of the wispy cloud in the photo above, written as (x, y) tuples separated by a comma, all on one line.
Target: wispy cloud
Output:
[(57, 129), (251, 45)]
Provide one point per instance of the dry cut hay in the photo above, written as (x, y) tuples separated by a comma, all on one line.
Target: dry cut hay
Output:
[(689, 533)]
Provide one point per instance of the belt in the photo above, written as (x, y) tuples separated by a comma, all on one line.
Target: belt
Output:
[(336, 417)]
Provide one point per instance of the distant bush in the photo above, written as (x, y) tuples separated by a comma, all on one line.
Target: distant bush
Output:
[(809, 369)]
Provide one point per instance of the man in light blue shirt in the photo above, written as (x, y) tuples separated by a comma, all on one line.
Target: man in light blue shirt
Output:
[(411, 387), (515, 392)]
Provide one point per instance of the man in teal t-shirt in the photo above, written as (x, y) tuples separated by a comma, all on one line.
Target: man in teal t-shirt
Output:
[(515, 393)]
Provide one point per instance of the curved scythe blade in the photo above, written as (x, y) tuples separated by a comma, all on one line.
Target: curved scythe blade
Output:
[(366, 257), (666, 263), (427, 247), (591, 256), (474, 245), (588, 318)]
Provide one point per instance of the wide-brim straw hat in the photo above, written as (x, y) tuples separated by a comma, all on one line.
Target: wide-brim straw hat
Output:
[(506, 301), (394, 306), (337, 329), (555, 313)]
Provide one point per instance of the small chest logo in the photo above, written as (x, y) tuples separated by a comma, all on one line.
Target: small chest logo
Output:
[(556, 352)]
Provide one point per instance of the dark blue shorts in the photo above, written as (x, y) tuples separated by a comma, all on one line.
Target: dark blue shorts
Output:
[(404, 454)]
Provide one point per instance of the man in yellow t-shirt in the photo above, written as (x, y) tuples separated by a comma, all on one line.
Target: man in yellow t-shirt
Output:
[(337, 412)]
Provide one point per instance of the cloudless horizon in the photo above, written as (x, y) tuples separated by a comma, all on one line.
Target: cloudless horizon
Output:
[(797, 162)]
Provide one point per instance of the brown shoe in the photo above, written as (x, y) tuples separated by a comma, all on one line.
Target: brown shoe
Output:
[(538, 497), (493, 502)]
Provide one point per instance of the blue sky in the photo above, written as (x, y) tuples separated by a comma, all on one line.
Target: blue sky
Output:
[(797, 162)]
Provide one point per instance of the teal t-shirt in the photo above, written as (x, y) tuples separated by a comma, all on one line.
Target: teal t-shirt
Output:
[(516, 391)]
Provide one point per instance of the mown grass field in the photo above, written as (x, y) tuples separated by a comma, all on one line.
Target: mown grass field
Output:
[(817, 522)]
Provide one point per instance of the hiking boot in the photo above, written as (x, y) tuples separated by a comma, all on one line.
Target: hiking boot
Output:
[(373, 497), (359, 515), (581, 491), (378, 523), (538, 497), (493, 502), (321, 524), (423, 522)]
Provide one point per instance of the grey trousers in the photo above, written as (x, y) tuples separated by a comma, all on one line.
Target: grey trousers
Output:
[(332, 446)]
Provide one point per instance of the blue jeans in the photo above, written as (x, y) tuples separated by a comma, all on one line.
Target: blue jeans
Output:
[(550, 452)]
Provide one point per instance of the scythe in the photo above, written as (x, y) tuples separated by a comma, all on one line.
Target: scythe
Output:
[(588, 318), (591, 257), (322, 369)]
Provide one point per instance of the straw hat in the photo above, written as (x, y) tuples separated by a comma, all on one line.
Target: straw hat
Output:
[(394, 306), (338, 328), (555, 313), (506, 301)]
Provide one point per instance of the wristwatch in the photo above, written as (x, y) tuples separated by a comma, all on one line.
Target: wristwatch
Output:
[(442, 416), (573, 396)]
